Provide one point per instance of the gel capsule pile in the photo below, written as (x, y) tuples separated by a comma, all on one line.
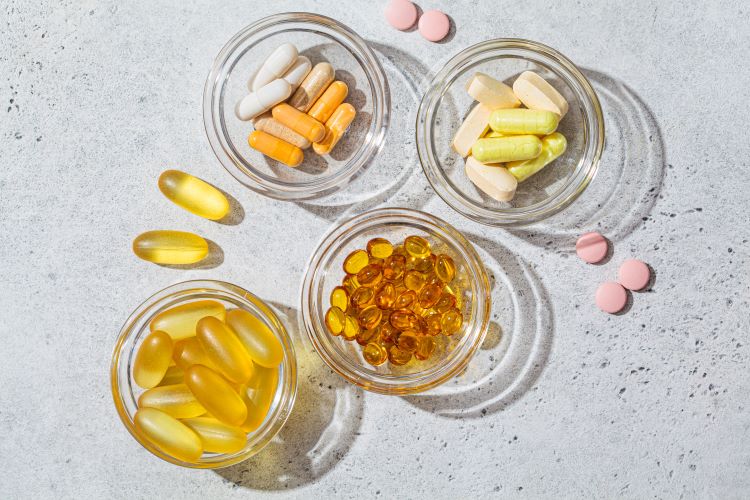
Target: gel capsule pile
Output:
[(210, 377)]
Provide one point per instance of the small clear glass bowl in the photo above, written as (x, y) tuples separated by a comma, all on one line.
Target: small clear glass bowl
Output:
[(446, 103), (125, 392), (319, 38), (324, 272)]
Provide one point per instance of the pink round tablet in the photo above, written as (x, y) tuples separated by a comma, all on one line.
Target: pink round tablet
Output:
[(611, 297), (634, 274), (434, 25), (592, 247), (401, 14)]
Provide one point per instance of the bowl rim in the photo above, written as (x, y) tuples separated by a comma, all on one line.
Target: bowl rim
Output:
[(374, 137), (269, 428), (414, 383), (577, 182)]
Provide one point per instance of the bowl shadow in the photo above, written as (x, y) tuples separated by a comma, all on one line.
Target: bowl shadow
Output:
[(517, 346), (321, 429)]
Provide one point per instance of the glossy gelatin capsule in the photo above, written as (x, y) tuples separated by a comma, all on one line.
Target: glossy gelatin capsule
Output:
[(386, 296), (152, 360), (351, 327), (424, 266), (398, 356), (553, 146), (216, 395), (521, 121), (380, 248), (302, 123), (170, 247), (261, 344), (176, 400), (362, 296), (504, 149), (335, 320), (402, 319), (340, 298), (405, 299), (189, 352), (355, 261), (446, 302), (259, 396), (425, 348), (174, 375), (168, 434), (224, 349), (429, 295), (407, 341), (329, 101), (432, 321), (414, 280), (215, 436), (179, 322), (375, 354), (445, 268), (336, 127), (370, 275), (370, 317), (394, 267), (418, 247), (193, 194), (388, 332), (451, 321), (364, 337)]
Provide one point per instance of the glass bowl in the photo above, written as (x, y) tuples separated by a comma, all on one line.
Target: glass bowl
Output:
[(125, 392), (320, 39), (446, 103), (324, 272)]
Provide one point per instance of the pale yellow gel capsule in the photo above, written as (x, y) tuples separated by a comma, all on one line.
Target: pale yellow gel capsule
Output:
[(188, 352), (224, 349), (336, 127), (216, 395), (553, 146), (170, 247), (536, 93), (152, 360), (492, 93), (473, 127), (193, 194), (259, 396), (216, 436), (179, 321), (494, 180), (259, 341), (523, 121), (174, 375), (176, 400), (503, 149), (168, 434)]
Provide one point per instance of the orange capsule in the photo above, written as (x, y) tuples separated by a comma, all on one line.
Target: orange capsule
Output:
[(329, 101), (425, 265), (407, 341), (446, 302), (405, 299), (362, 296), (433, 323), (379, 248), (386, 296), (429, 295), (370, 317), (364, 337), (416, 246), (393, 267), (340, 298), (388, 332), (355, 261), (275, 148), (451, 321), (375, 354), (425, 348), (445, 268), (302, 123), (398, 356), (336, 126), (402, 319), (414, 280), (335, 320), (370, 275)]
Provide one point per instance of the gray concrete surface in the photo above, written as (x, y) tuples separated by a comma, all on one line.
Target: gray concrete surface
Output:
[(562, 402)]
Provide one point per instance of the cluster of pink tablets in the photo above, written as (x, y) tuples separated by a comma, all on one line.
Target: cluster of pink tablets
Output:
[(634, 274), (434, 25)]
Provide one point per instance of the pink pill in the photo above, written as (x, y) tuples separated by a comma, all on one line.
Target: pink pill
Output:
[(401, 14), (611, 297), (634, 274), (434, 25), (592, 247)]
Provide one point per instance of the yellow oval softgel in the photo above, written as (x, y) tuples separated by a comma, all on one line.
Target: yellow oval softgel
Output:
[(504, 149), (193, 194), (340, 298), (259, 341), (224, 349), (553, 146), (258, 396), (152, 360), (176, 400), (521, 121), (170, 247), (445, 268), (168, 434), (416, 246), (216, 436), (174, 375), (179, 322), (375, 354), (355, 261), (380, 248), (189, 352), (216, 395), (335, 320)]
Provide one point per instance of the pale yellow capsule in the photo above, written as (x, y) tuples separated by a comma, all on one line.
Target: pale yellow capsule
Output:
[(553, 146), (259, 341), (168, 434), (314, 84), (170, 247), (216, 394), (176, 400), (215, 436), (336, 127), (188, 352), (266, 123), (329, 101), (224, 349), (193, 194), (152, 360), (179, 321), (259, 396), (523, 121), (510, 148)]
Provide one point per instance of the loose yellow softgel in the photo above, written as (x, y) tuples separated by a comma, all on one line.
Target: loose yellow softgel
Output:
[(193, 194), (221, 387), (170, 247)]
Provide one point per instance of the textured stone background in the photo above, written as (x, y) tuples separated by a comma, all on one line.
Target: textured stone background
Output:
[(563, 401)]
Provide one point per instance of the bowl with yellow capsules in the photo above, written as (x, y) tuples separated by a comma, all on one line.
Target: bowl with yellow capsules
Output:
[(395, 300), (203, 374)]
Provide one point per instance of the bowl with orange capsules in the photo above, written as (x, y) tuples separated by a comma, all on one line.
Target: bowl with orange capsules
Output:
[(396, 301), (203, 374)]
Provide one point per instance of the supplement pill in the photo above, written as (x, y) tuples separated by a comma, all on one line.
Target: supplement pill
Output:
[(503, 149), (536, 93), (275, 148), (398, 356), (553, 146), (523, 121), (380, 248), (175, 400), (170, 247), (298, 72), (215, 436), (370, 317), (152, 360), (634, 274), (193, 194), (336, 127), (434, 25), (329, 101), (394, 267), (188, 352), (362, 296), (592, 247), (492, 93), (425, 348), (473, 127), (611, 297), (335, 320), (370, 275), (401, 14), (351, 327), (375, 354), (451, 321), (405, 299), (340, 298), (495, 181), (414, 280), (260, 342), (386, 296), (258, 396), (224, 349), (313, 86), (355, 261), (445, 268), (216, 395), (263, 99), (302, 123), (168, 434), (266, 123), (174, 375), (276, 65), (418, 247), (179, 321)]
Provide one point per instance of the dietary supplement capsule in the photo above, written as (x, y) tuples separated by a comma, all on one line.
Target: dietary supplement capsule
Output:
[(473, 127), (188, 352), (261, 344), (504, 149), (379, 248), (493, 179), (170, 247), (168, 434), (335, 320), (394, 267), (375, 354), (275, 65), (364, 337), (302, 123), (451, 321), (432, 321), (175, 400), (297, 73), (370, 275), (422, 265), (351, 327), (329, 101), (414, 280), (263, 99), (398, 356), (336, 127), (490, 92), (259, 396), (179, 321), (224, 349), (536, 93), (369, 317), (405, 299), (266, 123), (313, 86), (340, 298), (417, 247), (445, 302), (385, 296), (193, 194), (402, 319), (523, 121), (216, 395), (275, 148), (355, 261), (445, 268), (429, 295), (425, 348), (152, 360), (350, 283), (215, 436), (407, 341), (174, 375), (553, 146), (362, 296)]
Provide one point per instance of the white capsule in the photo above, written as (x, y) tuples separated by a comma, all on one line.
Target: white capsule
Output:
[(263, 99), (298, 72), (275, 66)]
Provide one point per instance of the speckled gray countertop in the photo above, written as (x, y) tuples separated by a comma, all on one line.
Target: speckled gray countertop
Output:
[(563, 401)]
